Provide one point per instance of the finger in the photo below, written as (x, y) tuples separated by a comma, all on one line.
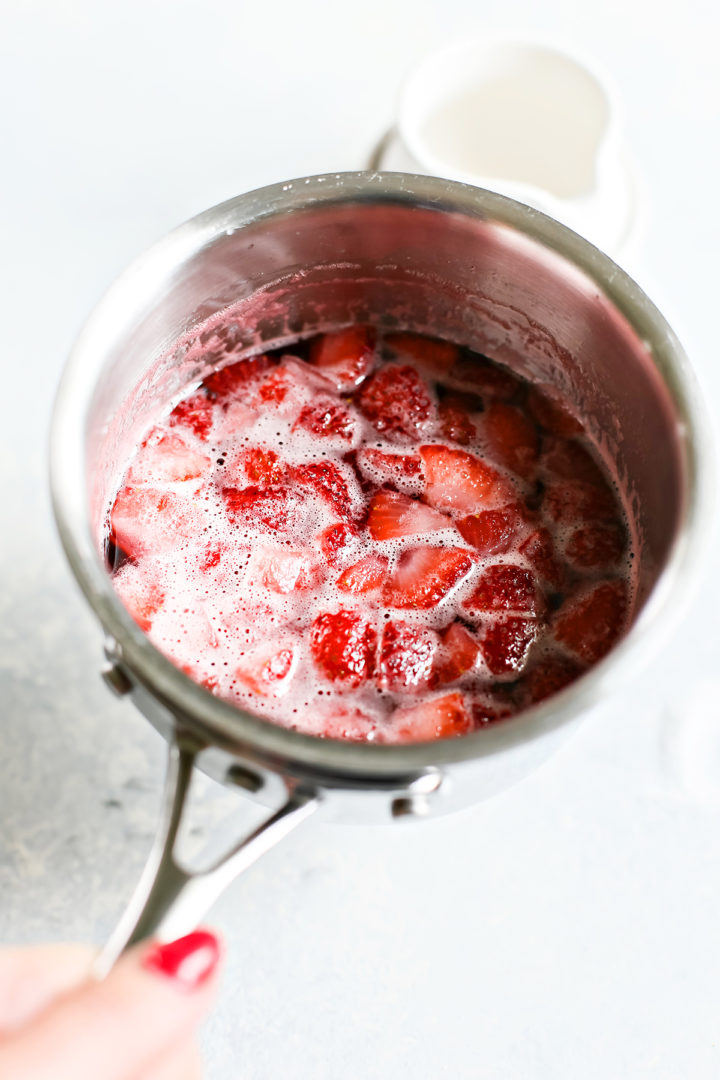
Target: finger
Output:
[(31, 978), (155, 996), (182, 1064)]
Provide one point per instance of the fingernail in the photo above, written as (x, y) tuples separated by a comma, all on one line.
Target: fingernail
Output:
[(189, 961)]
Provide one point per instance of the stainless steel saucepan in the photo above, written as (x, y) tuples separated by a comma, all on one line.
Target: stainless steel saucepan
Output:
[(443, 258)]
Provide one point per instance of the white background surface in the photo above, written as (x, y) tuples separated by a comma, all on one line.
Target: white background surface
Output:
[(567, 929)]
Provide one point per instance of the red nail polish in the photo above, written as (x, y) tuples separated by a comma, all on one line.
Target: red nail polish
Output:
[(190, 960)]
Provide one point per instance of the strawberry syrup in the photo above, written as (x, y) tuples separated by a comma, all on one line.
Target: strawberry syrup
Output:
[(379, 538)]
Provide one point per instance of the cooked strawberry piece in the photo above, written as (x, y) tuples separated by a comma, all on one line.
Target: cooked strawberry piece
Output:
[(596, 546), (490, 380), (341, 721), (140, 593), (405, 659), (438, 356), (512, 438), (487, 710), (455, 423), (550, 675), (328, 418), (268, 669), (504, 587), (547, 409), (364, 576), (343, 645), (275, 389), (211, 557), (539, 551), (590, 626), (393, 516), (345, 356), (491, 532), (165, 458), (401, 471), (573, 501), (456, 480), (284, 570), (325, 479), (438, 718), (255, 505), (396, 401), (567, 459), (288, 389), (458, 654), (146, 521), (235, 379), (334, 539), (196, 413), (507, 642), (424, 575), (261, 466)]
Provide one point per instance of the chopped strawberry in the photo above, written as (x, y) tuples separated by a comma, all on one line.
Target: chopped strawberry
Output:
[(364, 576), (405, 659), (490, 380), (456, 480), (343, 644), (571, 502), (196, 413), (268, 669), (548, 409), (504, 587), (142, 596), (284, 570), (396, 401), (567, 459), (455, 423), (289, 388), (327, 417), (539, 551), (507, 642), (261, 466), (596, 546), (334, 539), (550, 675), (235, 379), (590, 626), (345, 356), (146, 521), (512, 438), (438, 356), (325, 479), (401, 471), (437, 718), (257, 505), (343, 721), (393, 516), (424, 575), (166, 458), (275, 389), (211, 558), (492, 532), (458, 654)]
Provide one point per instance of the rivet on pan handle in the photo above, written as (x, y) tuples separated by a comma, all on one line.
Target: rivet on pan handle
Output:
[(170, 900)]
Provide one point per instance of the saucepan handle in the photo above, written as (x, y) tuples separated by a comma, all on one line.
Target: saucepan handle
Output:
[(171, 900)]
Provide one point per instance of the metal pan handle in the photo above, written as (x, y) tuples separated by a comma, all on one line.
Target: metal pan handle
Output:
[(170, 900)]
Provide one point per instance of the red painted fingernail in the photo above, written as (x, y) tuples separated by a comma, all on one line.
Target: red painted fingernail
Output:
[(190, 960)]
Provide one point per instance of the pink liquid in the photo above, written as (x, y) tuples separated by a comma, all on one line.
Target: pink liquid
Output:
[(385, 539)]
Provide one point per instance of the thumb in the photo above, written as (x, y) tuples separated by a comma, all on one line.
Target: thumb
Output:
[(154, 998)]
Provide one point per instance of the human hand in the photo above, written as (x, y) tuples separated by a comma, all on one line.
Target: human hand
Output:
[(59, 1023)]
